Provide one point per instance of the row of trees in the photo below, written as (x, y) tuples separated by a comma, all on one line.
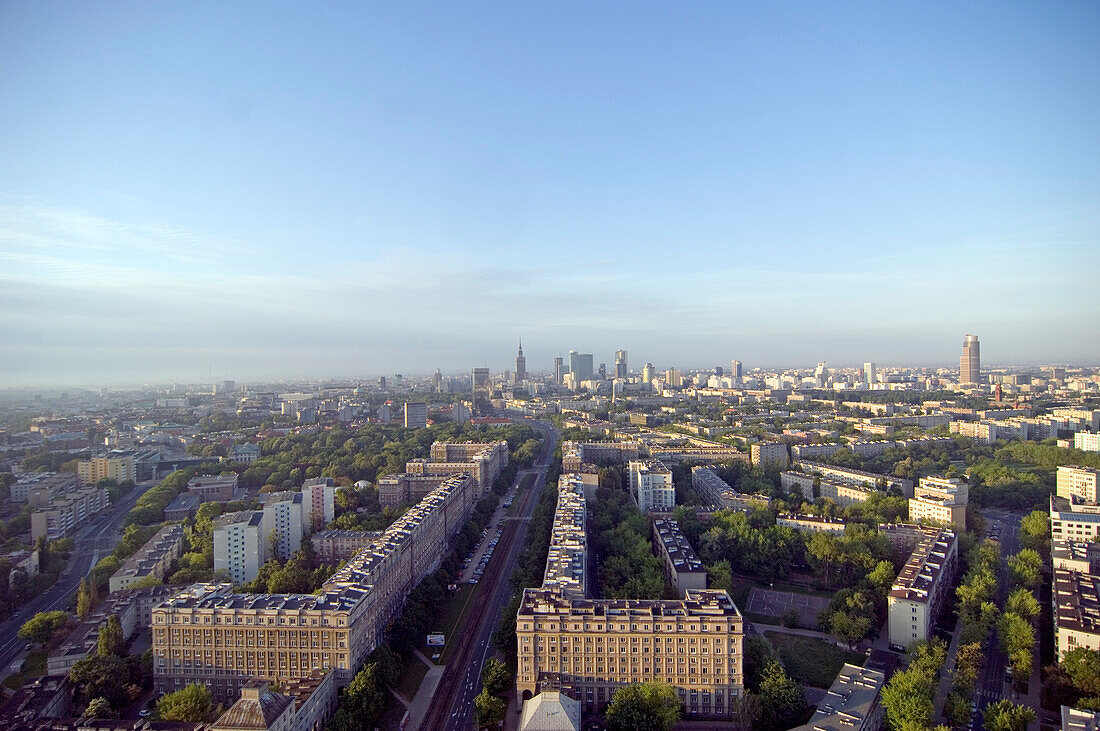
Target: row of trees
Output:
[(908, 698), (620, 536)]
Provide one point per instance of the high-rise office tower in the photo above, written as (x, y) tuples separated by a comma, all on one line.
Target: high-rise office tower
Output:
[(521, 366), (735, 368), (620, 364), (869, 373), (480, 389), (437, 381), (970, 364), (580, 365), (602, 372), (648, 373), (559, 369)]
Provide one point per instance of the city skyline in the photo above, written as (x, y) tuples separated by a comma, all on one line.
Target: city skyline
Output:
[(265, 188)]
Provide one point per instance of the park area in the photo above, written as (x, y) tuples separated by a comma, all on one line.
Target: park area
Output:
[(811, 661)]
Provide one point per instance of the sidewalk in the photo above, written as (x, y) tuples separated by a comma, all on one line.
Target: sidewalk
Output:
[(946, 671), (418, 707)]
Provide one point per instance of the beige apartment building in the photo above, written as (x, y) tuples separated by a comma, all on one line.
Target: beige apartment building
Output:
[(574, 455), (923, 585), (64, 513), (774, 453), (119, 468), (223, 640), (1078, 484), (334, 546), (482, 460), (152, 559), (942, 499)]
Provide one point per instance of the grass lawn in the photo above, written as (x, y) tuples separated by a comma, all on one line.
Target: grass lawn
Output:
[(454, 616), (411, 676), (35, 666), (810, 660)]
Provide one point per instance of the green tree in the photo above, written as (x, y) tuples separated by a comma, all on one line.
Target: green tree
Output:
[(782, 703), (489, 709), (1023, 602), (110, 640), (190, 704), (720, 576), (1082, 665), (106, 677), (1017, 641), (99, 708), (1035, 530), (1004, 715), (649, 706), (41, 627), (850, 628), (1026, 568), (495, 676), (84, 602)]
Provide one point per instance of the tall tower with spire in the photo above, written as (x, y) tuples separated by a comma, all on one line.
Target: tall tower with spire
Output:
[(521, 366)]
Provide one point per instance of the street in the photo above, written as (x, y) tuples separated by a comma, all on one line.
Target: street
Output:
[(91, 542), (990, 685), (453, 704)]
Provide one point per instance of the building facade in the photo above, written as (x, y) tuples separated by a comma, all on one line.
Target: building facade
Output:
[(651, 485), (970, 364), (117, 468), (923, 585)]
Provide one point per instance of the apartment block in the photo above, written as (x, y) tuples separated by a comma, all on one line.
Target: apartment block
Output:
[(1078, 484), (223, 640), (1076, 597), (774, 453), (240, 544), (853, 702), (117, 468), (282, 527), (848, 476), (62, 514), (719, 495), (1087, 441), (152, 559), (318, 503), (334, 546), (674, 454), (651, 485), (43, 487), (588, 649), (416, 415), (567, 559), (213, 488), (1073, 521), (811, 523), (940, 498), (407, 488), (483, 460), (922, 586), (575, 455), (683, 569)]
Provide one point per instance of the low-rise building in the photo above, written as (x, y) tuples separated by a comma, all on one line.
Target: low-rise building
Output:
[(183, 507), (152, 559), (213, 488), (43, 698), (849, 476), (811, 523), (651, 485), (550, 711), (683, 569)]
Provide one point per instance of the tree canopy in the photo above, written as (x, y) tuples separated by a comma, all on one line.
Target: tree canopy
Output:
[(649, 706), (191, 703)]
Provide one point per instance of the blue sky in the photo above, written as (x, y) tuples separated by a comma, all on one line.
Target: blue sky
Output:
[(289, 189)]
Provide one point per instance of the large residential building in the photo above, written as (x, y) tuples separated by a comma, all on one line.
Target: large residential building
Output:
[(719, 495), (588, 648), (39, 488), (849, 476), (651, 485), (575, 455), (318, 503), (282, 526), (811, 523), (240, 545), (773, 453), (114, 467), (683, 569), (853, 702), (64, 513), (483, 460), (923, 585), (1073, 521), (416, 415), (942, 499), (1076, 594), (407, 488), (970, 364), (334, 546), (223, 640), (1086, 441), (1078, 484), (213, 488), (152, 559)]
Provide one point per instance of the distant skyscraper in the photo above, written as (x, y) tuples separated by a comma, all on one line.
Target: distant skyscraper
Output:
[(580, 365), (648, 373), (602, 372), (869, 373), (559, 369), (735, 369), (620, 364), (970, 364), (382, 382), (521, 366), (416, 415), (480, 389), (437, 381)]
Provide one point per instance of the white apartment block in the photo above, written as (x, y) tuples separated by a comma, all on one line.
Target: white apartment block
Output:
[(651, 486), (240, 545), (282, 523), (318, 503), (64, 513), (1078, 484), (1076, 598), (922, 587), (849, 476), (1073, 521), (1086, 441), (719, 495), (774, 453), (941, 499)]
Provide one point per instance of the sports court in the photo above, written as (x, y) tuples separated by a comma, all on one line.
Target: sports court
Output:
[(774, 603)]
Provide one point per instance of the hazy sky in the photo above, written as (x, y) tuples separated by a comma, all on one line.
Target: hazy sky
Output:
[(285, 189)]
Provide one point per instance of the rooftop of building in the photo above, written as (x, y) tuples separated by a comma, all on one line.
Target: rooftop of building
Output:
[(1076, 598), (258, 709), (926, 563), (675, 545), (154, 550), (249, 517), (696, 603), (850, 700)]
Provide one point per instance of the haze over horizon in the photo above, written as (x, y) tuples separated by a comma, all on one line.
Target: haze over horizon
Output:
[(343, 191)]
